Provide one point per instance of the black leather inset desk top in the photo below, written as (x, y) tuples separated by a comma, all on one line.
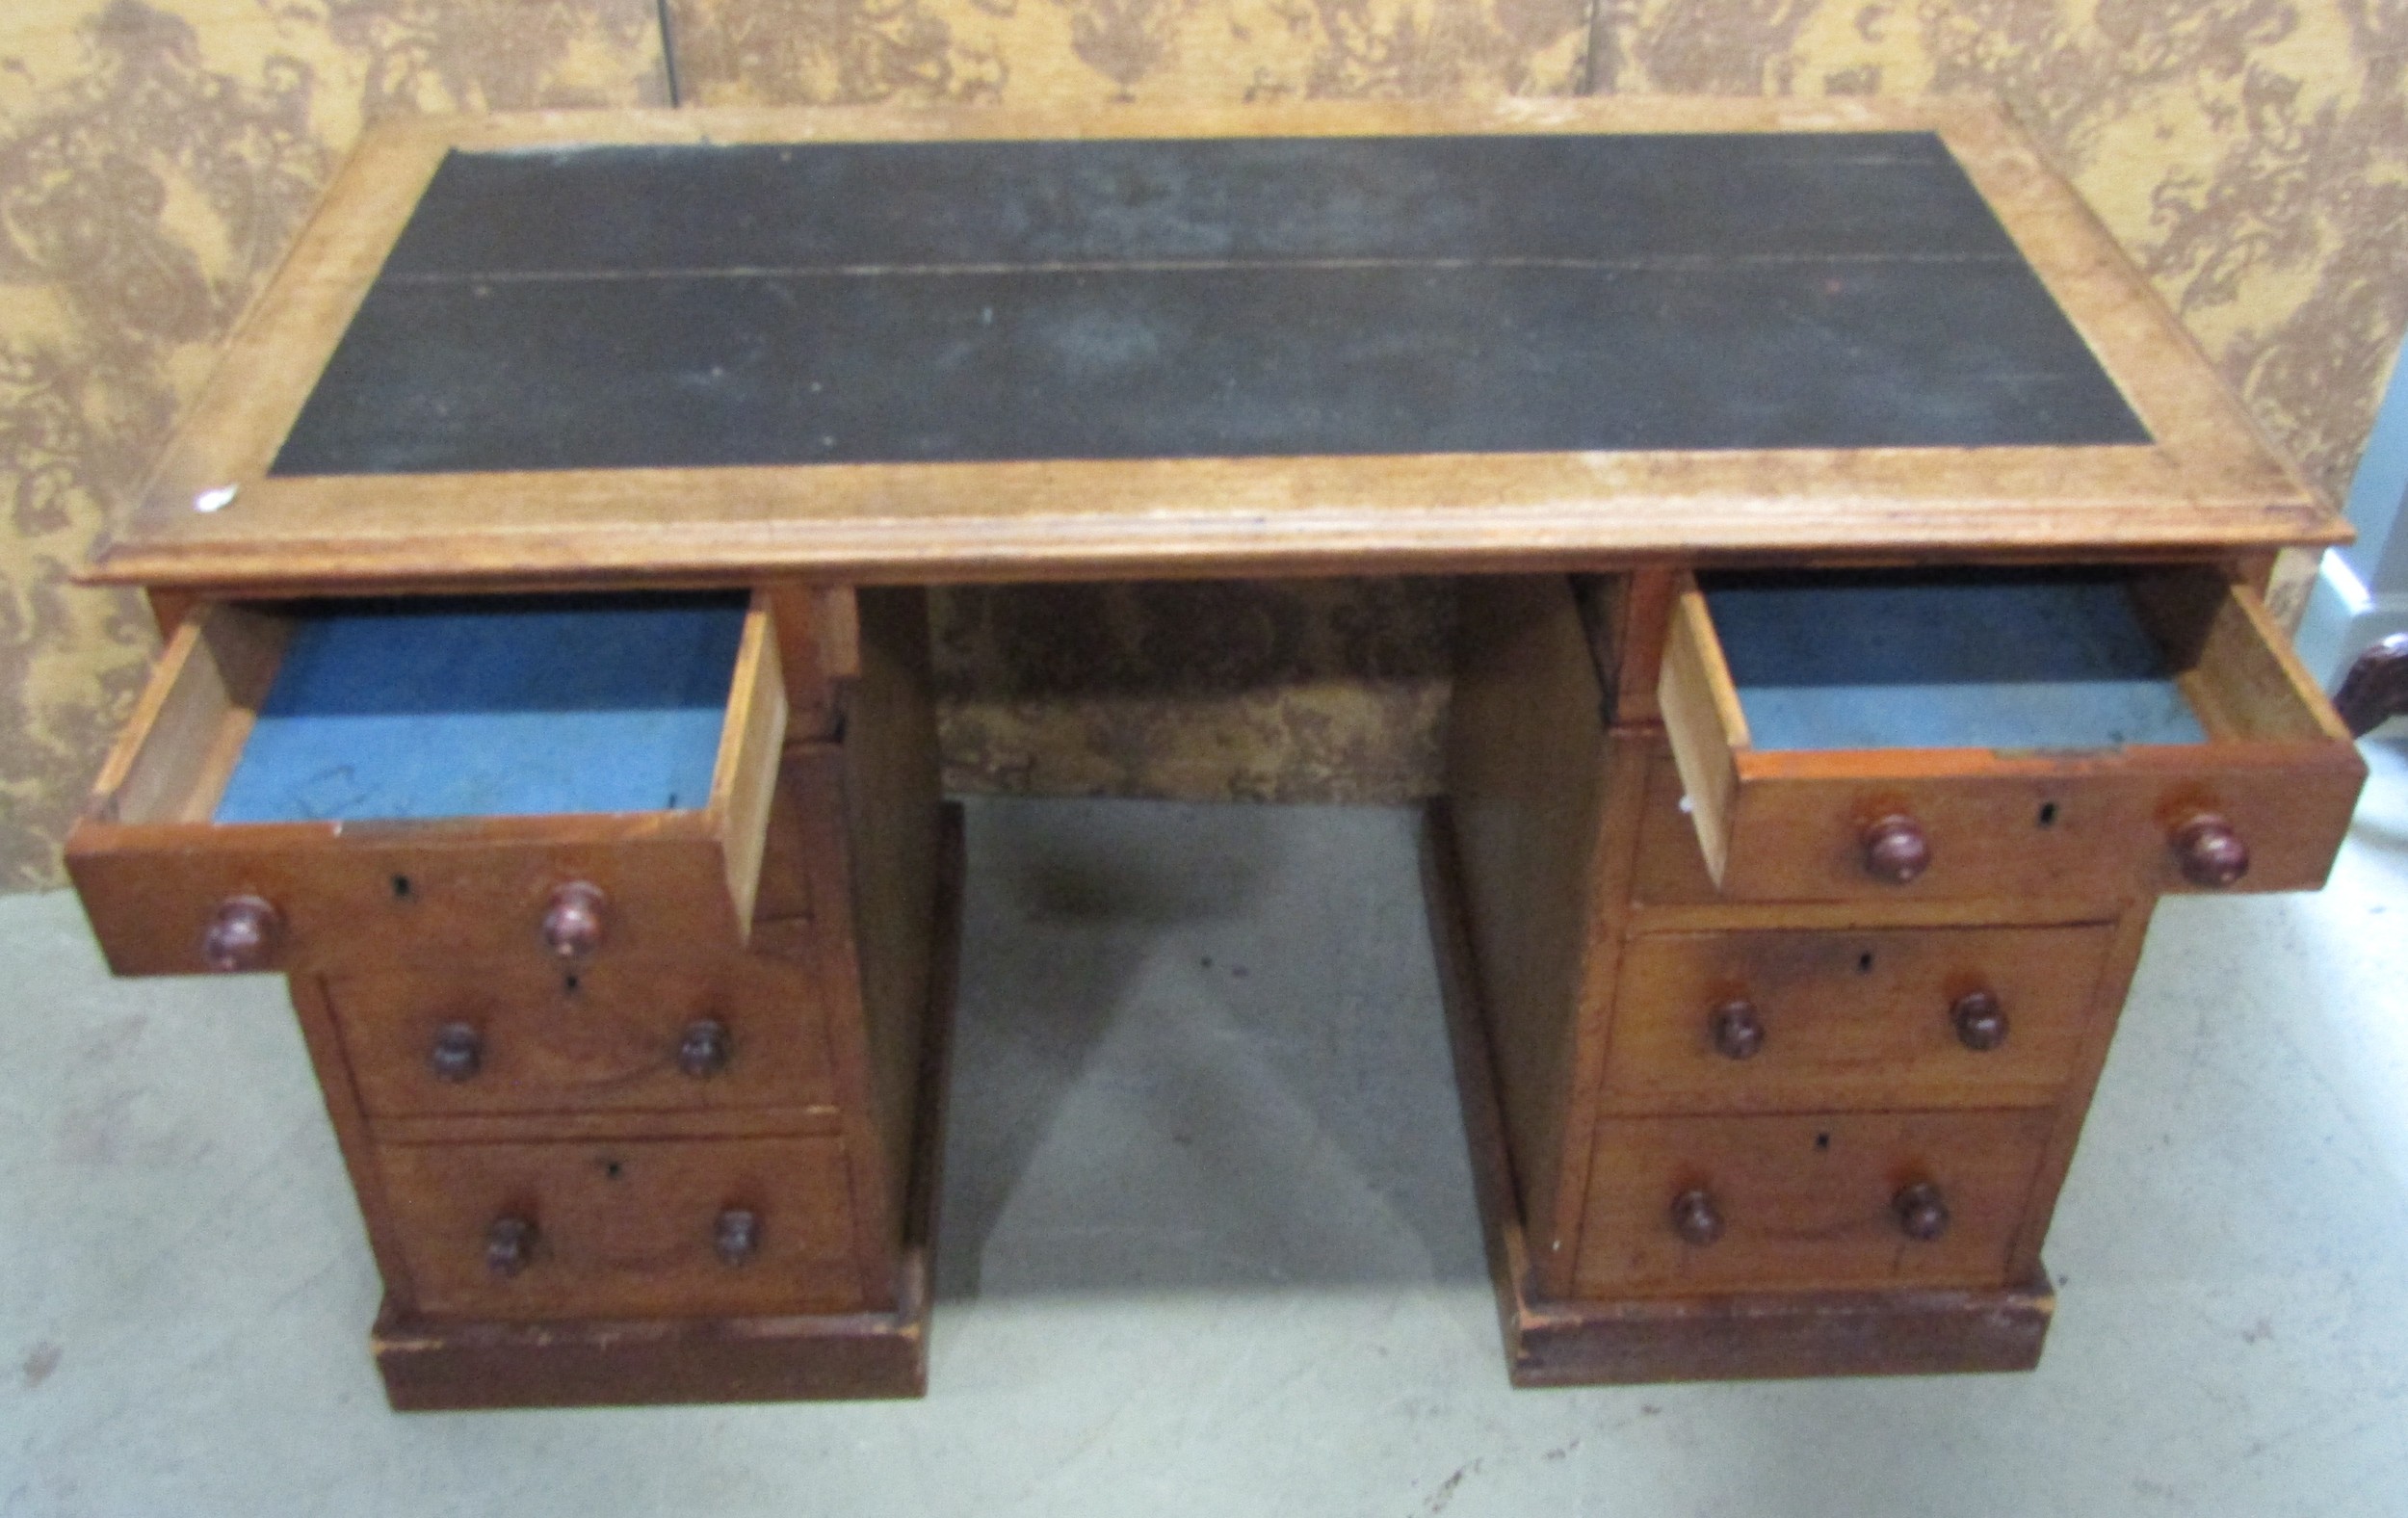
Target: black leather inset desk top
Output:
[(951, 302)]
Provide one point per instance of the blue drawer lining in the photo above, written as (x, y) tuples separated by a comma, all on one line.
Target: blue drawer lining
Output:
[(2046, 660), (494, 707)]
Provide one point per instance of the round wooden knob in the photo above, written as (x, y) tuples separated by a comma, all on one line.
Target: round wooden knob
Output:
[(510, 1246), (1896, 849), (1738, 1031), (704, 1048), (1981, 1021), (736, 1235), (572, 923), (1920, 1212), (2211, 853), (1695, 1217), (459, 1052), (241, 934)]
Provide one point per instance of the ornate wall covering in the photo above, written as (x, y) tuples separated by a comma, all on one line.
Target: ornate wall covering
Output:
[(155, 156), (820, 52)]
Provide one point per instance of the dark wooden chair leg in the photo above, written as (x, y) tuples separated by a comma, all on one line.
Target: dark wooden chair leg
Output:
[(2376, 687)]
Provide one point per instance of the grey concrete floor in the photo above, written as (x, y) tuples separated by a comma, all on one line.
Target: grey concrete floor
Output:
[(1208, 1240)]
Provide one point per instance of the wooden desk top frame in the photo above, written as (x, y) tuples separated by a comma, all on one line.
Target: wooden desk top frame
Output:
[(2208, 482)]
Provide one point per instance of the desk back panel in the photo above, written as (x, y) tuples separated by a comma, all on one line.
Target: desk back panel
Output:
[(1206, 690)]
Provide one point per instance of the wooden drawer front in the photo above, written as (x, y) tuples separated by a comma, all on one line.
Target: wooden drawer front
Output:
[(623, 1229), (1805, 1021), (2053, 801), (608, 1039), (1805, 1203), (385, 879)]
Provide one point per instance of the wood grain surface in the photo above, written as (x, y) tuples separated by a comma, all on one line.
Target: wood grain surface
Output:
[(1806, 1200), (602, 1039), (624, 1227), (1528, 798), (153, 868), (1850, 1018), (2099, 821)]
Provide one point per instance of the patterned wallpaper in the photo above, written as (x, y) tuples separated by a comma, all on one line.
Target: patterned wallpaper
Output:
[(156, 156), (819, 51)]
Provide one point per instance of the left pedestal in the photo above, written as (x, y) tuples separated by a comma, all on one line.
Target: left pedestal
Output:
[(620, 933)]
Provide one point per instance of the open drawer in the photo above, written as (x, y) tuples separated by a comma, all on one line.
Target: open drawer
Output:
[(2065, 732), (378, 783)]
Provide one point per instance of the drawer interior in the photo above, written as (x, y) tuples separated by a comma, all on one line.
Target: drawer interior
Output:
[(415, 709), (395, 710), (414, 781), (2033, 659)]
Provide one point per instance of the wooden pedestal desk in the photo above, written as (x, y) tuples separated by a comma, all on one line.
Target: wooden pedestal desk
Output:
[(1859, 578)]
